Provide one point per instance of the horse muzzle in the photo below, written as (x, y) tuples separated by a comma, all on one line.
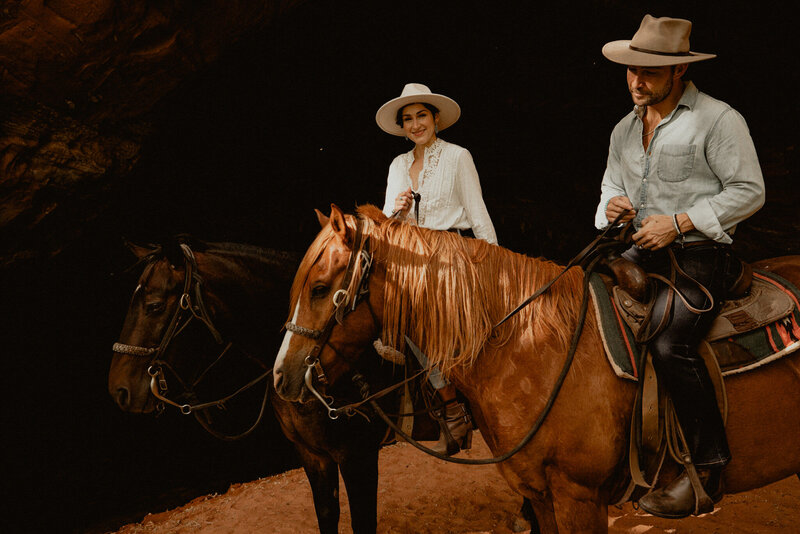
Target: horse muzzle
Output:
[(289, 387), (129, 386), (132, 398)]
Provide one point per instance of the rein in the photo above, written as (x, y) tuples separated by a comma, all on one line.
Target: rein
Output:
[(359, 380), (577, 260), (192, 309)]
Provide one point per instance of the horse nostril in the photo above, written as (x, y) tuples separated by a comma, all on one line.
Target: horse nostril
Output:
[(277, 379), (123, 398)]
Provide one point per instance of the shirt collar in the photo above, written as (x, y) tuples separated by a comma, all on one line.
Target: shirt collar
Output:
[(689, 96)]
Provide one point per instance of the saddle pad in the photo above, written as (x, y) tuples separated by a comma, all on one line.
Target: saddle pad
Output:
[(736, 352)]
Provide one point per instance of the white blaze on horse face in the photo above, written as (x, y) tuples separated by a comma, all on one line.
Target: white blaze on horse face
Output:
[(287, 339)]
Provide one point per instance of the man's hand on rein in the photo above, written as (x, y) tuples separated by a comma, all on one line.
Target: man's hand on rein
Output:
[(616, 206), (657, 232)]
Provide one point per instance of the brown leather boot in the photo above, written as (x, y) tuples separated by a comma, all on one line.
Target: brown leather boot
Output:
[(677, 499), (457, 433)]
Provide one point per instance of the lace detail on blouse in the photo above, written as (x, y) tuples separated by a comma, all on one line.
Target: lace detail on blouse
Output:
[(449, 187), (433, 154)]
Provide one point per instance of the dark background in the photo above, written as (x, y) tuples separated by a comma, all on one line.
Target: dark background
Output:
[(284, 123)]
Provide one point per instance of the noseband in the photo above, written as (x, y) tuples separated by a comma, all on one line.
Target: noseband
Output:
[(343, 303), (191, 306)]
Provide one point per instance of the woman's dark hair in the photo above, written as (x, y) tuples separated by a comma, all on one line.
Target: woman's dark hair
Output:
[(430, 107)]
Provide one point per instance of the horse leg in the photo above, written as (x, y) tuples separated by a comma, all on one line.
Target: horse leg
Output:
[(542, 515), (527, 514), (323, 475), (578, 509), (360, 475)]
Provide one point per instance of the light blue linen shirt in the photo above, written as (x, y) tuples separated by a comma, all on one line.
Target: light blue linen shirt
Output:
[(701, 160)]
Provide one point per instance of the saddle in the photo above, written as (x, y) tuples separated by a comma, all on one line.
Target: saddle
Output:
[(758, 325)]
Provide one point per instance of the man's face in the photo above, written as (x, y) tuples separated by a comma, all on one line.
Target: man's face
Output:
[(650, 85)]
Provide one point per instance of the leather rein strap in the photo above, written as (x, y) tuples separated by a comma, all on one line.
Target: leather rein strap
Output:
[(577, 260), (576, 335)]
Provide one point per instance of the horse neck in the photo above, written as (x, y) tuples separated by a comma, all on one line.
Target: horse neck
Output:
[(250, 290), (476, 301)]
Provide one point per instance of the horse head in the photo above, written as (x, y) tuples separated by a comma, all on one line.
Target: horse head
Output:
[(152, 306), (197, 309), (332, 316)]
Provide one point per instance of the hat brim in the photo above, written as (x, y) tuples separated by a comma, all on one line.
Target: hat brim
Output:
[(621, 52), (449, 111)]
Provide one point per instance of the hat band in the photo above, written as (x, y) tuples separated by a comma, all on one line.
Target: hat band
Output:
[(656, 52)]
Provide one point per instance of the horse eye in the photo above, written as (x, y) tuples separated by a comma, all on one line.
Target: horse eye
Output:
[(154, 307), (319, 292)]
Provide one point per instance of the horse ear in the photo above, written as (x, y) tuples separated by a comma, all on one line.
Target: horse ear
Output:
[(174, 253), (322, 218), (339, 226), (138, 250)]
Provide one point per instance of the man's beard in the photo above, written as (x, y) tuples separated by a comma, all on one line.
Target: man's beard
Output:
[(655, 98)]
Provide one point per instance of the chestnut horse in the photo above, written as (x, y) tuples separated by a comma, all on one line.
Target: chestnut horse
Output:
[(446, 293), (240, 288)]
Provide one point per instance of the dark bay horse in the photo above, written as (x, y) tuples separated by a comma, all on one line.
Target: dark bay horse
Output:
[(446, 292), (236, 294)]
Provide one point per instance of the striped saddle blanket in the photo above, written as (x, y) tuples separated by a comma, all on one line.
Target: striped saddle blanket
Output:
[(747, 333)]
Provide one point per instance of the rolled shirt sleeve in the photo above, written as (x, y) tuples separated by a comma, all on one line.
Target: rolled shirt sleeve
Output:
[(732, 157), (469, 187)]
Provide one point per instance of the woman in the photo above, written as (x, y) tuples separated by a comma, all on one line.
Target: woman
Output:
[(435, 185), (442, 173)]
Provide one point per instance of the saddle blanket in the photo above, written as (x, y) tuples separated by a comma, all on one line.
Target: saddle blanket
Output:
[(736, 352)]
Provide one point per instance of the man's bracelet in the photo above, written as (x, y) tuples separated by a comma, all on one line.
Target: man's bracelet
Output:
[(677, 226)]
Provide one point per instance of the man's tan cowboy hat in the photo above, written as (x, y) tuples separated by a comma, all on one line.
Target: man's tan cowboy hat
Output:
[(416, 93), (658, 42)]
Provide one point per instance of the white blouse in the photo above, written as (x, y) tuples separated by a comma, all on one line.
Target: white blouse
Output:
[(449, 187)]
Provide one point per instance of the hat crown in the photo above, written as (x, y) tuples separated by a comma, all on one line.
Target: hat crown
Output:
[(411, 89), (664, 34)]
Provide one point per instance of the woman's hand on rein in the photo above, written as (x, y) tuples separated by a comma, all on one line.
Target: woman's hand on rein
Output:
[(403, 201)]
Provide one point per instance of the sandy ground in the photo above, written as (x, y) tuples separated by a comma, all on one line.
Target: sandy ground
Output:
[(418, 493)]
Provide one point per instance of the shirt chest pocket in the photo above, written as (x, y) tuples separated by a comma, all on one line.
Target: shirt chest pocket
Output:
[(675, 162)]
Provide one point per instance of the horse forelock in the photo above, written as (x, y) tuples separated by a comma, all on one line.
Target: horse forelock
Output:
[(447, 293)]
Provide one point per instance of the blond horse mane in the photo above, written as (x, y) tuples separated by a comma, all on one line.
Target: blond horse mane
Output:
[(447, 292)]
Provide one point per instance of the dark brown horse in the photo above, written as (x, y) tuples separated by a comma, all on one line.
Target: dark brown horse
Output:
[(446, 293), (195, 303)]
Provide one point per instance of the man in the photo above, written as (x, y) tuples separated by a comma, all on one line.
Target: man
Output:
[(684, 167)]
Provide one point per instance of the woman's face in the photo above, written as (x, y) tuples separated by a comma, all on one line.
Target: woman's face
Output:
[(419, 124)]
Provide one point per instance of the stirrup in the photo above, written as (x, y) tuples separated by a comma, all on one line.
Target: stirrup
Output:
[(456, 430)]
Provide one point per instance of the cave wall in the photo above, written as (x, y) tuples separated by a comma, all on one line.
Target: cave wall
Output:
[(233, 120), (78, 82)]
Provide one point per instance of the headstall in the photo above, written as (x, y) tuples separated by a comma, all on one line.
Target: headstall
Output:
[(343, 303), (191, 306)]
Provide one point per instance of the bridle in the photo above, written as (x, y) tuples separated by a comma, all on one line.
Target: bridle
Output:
[(359, 264), (191, 307)]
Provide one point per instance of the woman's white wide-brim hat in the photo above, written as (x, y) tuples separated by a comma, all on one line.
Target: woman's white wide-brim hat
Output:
[(658, 42), (416, 93)]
